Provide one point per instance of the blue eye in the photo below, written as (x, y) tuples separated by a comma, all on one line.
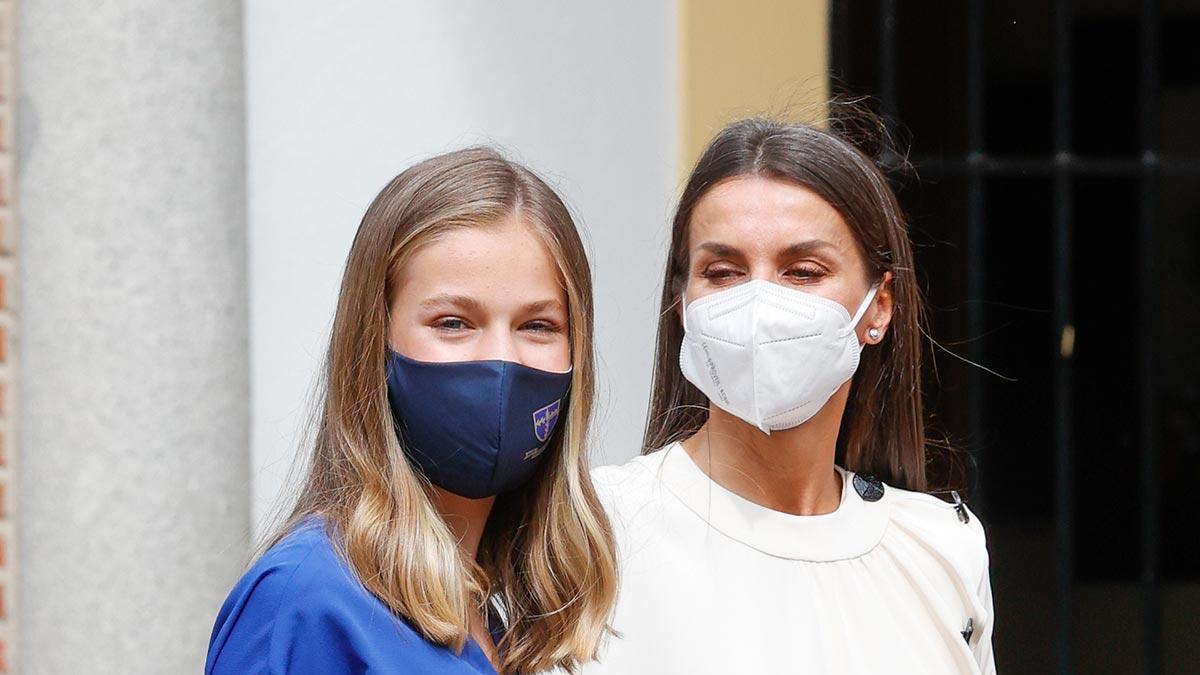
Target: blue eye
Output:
[(450, 324), (541, 327)]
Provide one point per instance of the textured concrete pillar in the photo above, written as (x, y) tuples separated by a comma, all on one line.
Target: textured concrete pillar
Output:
[(133, 492)]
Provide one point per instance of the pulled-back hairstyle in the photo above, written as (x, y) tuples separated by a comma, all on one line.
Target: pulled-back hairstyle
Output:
[(546, 559), (883, 429)]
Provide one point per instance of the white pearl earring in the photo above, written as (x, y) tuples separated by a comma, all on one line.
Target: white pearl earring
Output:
[(873, 333)]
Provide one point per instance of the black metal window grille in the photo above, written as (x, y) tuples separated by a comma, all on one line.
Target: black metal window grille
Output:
[(882, 48)]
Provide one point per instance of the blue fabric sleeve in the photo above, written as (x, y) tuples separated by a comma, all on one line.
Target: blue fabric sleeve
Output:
[(300, 610)]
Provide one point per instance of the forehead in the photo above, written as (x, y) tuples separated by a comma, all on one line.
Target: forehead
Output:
[(507, 259), (755, 212)]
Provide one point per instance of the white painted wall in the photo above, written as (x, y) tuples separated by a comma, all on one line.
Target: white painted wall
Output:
[(342, 96)]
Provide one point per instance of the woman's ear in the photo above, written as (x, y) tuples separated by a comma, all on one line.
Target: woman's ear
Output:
[(879, 317)]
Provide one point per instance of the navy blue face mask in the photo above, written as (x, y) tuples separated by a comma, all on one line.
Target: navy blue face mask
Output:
[(475, 428)]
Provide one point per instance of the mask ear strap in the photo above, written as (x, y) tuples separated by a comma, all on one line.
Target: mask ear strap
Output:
[(862, 308), (683, 307)]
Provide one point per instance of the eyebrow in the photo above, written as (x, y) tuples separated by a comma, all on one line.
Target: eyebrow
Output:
[(472, 305), (542, 306), (719, 249), (809, 246), (450, 300)]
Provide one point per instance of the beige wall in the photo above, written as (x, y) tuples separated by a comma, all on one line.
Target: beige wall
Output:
[(738, 59)]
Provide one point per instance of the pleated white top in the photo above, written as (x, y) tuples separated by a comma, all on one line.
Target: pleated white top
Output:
[(714, 583)]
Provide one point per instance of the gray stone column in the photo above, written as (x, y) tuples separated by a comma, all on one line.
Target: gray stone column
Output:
[(133, 491)]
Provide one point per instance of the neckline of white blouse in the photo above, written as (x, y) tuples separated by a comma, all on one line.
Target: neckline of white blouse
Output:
[(850, 531)]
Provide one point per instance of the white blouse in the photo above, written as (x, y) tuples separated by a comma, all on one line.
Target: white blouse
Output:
[(892, 581)]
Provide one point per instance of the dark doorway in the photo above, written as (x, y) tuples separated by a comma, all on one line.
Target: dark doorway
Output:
[(1055, 206)]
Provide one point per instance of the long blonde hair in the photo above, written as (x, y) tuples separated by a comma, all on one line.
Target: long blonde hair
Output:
[(547, 557)]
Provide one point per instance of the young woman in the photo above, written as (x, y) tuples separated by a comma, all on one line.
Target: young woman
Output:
[(447, 523), (777, 523)]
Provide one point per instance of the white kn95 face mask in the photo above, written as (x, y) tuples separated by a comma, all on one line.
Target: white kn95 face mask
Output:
[(768, 354)]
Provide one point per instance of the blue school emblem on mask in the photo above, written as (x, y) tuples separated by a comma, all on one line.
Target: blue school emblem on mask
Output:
[(544, 419)]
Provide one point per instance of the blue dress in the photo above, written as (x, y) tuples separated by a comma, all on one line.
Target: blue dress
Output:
[(300, 609)]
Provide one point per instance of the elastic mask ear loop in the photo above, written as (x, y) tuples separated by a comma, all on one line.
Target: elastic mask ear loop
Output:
[(683, 307), (862, 308)]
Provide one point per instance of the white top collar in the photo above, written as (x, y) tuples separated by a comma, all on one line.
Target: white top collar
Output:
[(853, 529)]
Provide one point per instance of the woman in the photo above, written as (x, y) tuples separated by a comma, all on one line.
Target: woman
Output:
[(447, 523), (777, 522)]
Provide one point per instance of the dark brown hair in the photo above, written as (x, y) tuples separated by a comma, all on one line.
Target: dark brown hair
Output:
[(883, 428)]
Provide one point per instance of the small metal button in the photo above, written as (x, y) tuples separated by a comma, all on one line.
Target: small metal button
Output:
[(868, 487), (960, 507), (969, 630)]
